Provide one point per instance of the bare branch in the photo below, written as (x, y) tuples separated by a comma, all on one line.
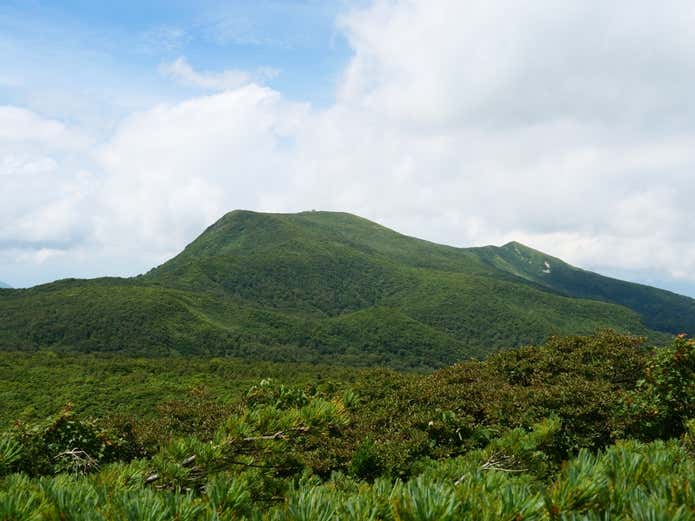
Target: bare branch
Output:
[(280, 435), (80, 458), (188, 461), (501, 463)]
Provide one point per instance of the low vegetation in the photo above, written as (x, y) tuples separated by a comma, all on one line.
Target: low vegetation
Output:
[(588, 427)]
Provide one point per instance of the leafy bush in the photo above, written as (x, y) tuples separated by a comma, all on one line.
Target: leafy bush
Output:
[(62, 443), (665, 398), (366, 462)]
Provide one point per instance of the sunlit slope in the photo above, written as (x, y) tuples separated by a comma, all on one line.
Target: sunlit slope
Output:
[(319, 286), (317, 262), (659, 309)]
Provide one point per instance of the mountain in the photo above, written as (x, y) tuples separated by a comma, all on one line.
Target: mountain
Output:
[(4, 285), (660, 310), (334, 287)]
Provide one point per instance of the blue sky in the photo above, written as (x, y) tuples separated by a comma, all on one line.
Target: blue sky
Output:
[(128, 127), (62, 58)]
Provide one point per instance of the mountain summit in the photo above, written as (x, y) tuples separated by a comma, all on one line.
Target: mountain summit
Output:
[(336, 287)]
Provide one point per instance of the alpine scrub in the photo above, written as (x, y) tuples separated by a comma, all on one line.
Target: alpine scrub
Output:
[(589, 428), (630, 480)]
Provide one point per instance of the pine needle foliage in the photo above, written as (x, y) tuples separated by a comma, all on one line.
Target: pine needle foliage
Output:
[(546, 433)]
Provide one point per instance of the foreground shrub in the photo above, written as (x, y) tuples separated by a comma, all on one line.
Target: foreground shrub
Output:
[(62, 443), (665, 398), (526, 435)]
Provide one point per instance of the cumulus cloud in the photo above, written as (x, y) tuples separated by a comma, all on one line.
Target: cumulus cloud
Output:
[(505, 63), (37, 176), (229, 79), (568, 127), (171, 171), (21, 126)]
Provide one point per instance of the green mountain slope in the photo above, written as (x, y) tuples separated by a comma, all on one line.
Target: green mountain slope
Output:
[(332, 287), (660, 310)]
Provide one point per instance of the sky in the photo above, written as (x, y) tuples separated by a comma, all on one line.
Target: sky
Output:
[(128, 127)]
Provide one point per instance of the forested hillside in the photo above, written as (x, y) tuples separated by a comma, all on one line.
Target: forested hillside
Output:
[(323, 286), (661, 310)]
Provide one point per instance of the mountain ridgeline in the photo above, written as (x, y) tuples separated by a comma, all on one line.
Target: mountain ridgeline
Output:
[(325, 286), (4, 285)]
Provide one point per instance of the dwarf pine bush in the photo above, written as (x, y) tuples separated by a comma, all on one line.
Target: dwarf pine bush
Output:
[(474, 442), (310, 504), (424, 500), (631, 481), (10, 454)]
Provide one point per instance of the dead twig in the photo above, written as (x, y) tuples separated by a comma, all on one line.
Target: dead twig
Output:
[(80, 459), (188, 461), (280, 435), (501, 463)]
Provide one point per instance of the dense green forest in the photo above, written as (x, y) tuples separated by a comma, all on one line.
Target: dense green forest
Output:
[(105, 385), (325, 287), (597, 427)]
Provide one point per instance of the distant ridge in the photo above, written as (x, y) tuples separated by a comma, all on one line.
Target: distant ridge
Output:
[(4, 285), (660, 309), (331, 286)]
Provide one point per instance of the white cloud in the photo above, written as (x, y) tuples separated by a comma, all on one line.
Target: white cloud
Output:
[(173, 170), (41, 188), (507, 63), (229, 79), (18, 125), (569, 127)]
